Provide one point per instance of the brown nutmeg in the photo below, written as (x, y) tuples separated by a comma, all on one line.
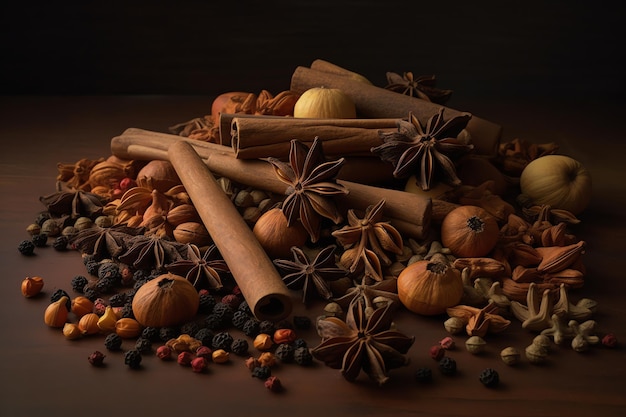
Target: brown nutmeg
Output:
[(158, 175), (192, 233), (276, 236)]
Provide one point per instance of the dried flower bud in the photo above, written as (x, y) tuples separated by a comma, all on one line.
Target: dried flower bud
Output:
[(263, 342), (96, 358), (184, 358), (164, 353), (199, 364), (284, 336)]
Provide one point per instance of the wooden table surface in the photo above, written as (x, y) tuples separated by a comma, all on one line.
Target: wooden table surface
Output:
[(43, 374)]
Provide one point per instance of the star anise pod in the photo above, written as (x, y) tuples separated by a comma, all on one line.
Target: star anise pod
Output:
[(302, 273), (423, 86), (312, 185), (425, 151), (368, 236), (104, 242), (151, 252), (74, 203), (362, 343), (366, 294), (202, 270)]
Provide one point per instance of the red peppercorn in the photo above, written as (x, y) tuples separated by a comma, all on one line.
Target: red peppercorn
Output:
[(185, 358), (273, 384), (164, 353), (199, 364), (96, 358), (437, 352), (204, 352), (447, 343), (609, 340)]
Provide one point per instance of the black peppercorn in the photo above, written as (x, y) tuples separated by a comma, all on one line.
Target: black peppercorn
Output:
[(117, 300), (239, 319), (26, 247), (239, 347), (105, 285), (96, 358), (213, 322), (40, 240), (42, 217), (489, 377), (60, 243), (245, 307), (78, 283), (267, 327), (207, 302), (190, 328), (251, 328), (223, 312), (92, 267), (262, 372), (150, 333), (62, 293), (109, 270), (299, 342), (423, 375), (143, 345), (447, 366), (132, 358), (91, 293), (302, 356), (284, 352), (113, 342), (205, 336), (167, 333), (222, 340)]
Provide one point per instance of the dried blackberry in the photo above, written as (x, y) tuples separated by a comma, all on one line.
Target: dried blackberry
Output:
[(132, 358), (239, 319), (167, 333), (224, 312), (447, 366), (40, 240), (222, 340), (302, 322), (205, 336), (284, 352), (143, 345), (150, 333), (190, 328), (239, 347), (251, 328), (267, 327), (302, 356), (300, 342), (79, 282), (489, 377), (92, 267), (262, 372), (26, 247), (424, 374), (60, 243), (113, 342), (111, 270), (207, 302), (62, 293), (118, 300)]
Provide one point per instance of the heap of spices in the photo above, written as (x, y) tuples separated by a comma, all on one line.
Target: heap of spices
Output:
[(312, 185)]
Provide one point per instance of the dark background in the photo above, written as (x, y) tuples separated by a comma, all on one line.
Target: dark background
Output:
[(564, 48)]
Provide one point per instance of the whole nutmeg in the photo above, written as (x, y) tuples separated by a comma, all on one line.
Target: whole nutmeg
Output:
[(325, 103), (192, 233), (454, 325), (536, 354), (83, 223), (475, 344), (158, 175), (51, 228), (510, 355), (276, 236)]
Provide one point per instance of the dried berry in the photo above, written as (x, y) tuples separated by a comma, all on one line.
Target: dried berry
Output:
[(204, 352), (207, 302), (489, 377), (302, 322), (118, 300), (447, 366), (143, 345), (40, 240), (251, 328), (167, 333), (91, 293), (205, 336), (302, 356), (273, 384), (60, 243), (184, 358), (222, 340), (26, 247), (199, 364), (132, 358), (232, 300), (190, 328), (113, 341), (437, 352), (92, 267), (164, 353), (239, 347), (245, 307), (223, 312), (108, 269), (609, 340), (96, 358), (239, 319), (424, 374), (262, 372), (284, 352), (447, 343), (79, 282), (267, 327), (300, 342), (62, 293)]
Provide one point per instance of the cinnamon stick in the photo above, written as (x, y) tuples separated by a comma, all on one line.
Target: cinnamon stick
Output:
[(261, 136), (255, 274), (377, 102), (410, 211)]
